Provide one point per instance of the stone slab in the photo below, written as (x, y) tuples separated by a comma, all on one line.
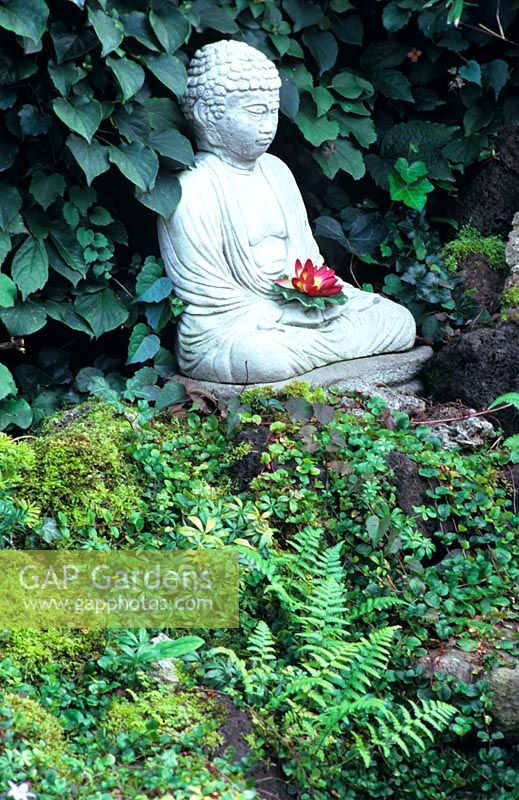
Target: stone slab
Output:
[(395, 370)]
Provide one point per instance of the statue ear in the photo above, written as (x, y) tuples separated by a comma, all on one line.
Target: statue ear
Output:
[(204, 123)]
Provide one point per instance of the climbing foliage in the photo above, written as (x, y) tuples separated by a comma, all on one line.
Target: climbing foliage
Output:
[(381, 103)]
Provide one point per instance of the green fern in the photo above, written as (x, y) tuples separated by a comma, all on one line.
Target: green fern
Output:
[(324, 690)]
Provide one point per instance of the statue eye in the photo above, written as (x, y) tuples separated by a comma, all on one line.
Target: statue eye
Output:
[(256, 110)]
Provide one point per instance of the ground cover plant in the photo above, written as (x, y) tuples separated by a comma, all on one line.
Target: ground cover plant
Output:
[(343, 595)]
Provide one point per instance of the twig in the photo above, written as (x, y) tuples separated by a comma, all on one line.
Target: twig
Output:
[(468, 415), (14, 344)]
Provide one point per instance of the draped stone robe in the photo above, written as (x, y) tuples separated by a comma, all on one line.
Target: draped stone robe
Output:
[(234, 329)]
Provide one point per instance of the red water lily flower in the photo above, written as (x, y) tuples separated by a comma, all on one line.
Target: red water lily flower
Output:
[(315, 281)]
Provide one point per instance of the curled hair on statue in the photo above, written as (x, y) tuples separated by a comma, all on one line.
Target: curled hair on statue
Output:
[(222, 67)]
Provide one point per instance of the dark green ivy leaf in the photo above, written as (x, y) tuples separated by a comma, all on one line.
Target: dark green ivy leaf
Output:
[(323, 47), (23, 318), (169, 70), (171, 144), (130, 76), (7, 292), (137, 162), (170, 27), (10, 205), (109, 30), (340, 154), (102, 310), (92, 158), (30, 267), (46, 188), (80, 115), (164, 197), (26, 18)]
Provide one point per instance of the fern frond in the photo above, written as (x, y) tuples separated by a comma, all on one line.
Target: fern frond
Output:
[(376, 604)]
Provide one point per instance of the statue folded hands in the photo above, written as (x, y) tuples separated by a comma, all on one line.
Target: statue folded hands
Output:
[(241, 224)]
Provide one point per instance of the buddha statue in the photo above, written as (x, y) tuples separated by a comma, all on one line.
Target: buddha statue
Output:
[(240, 225)]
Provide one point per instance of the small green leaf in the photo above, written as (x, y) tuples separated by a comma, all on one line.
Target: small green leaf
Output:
[(158, 291), (410, 172), (170, 27), (102, 310), (110, 31), (394, 18), (10, 205), (46, 188), (316, 130), (413, 195), (496, 75), (23, 318), (150, 272), (471, 72), (171, 144), (30, 267), (130, 75), (15, 412), (137, 162), (64, 76), (80, 115), (169, 70), (303, 13), (363, 128), (170, 394), (323, 47), (349, 85), (340, 154), (26, 18), (7, 292), (164, 197), (146, 349), (323, 99), (7, 384), (92, 158)]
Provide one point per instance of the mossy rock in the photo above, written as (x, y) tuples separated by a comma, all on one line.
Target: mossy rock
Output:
[(36, 727), (469, 242), (190, 718), (80, 465), (510, 305), (30, 650)]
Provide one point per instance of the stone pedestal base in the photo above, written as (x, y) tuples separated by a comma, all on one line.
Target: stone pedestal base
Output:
[(395, 370)]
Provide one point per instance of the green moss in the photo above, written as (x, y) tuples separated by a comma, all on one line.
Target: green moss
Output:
[(36, 726), (510, 305), (470, 241), (253, 397), (80, 466), (184, 716), (30, 650)]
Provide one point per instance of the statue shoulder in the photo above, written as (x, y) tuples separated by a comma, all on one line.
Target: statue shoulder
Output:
[(274, 164)]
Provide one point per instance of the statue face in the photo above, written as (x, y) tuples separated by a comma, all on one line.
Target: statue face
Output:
[(248, 125)]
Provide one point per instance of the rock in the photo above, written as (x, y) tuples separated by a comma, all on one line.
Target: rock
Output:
[(512, 248), (457, 663), (165, 670), (504, 683), (397, 399), (482, 282), (392, 369), (491, 196), (471, 432), (476, 368)]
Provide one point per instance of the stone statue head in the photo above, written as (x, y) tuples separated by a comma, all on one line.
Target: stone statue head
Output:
[(232, 100)]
